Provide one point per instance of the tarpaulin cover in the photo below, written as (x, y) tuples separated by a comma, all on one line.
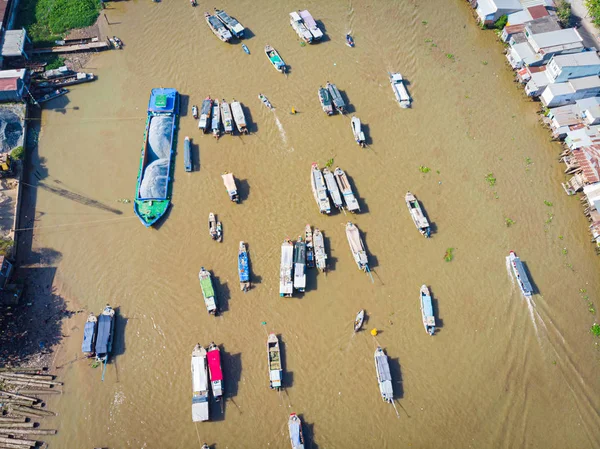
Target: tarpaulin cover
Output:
[(427, 306), (294, 426), (88, 337), (214, 365), (156, 179), (243, 267), (159, 137), (103, 337)]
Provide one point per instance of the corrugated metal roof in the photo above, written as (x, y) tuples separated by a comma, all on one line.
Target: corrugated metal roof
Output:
[(16, 73), (588, 82), (577, 59), (538, 11), (8, 84), (556, 38), (13, 43), (588, 158)]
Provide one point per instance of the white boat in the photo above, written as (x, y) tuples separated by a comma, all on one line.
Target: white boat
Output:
[(295, 430), (332, 186), (205, 111), (300, 265), (275, 59), (286, 283), (312, 26), (320, 254), (356, 246), (239, 117), (359, 136), (195, 112), (229, 182), (319, 189), (384, 377), (310, 248), (208, 291), (336, 97), (226, 117), (274, 359), (214, 370), (217, 27), (298, 25), (212, 226), (265, 101), (232, 24), (427, 310), (344, 185), (200, 409), (520, 275), (325, 100), (358, 321), (399, 89), (416, 213), (216, 119)]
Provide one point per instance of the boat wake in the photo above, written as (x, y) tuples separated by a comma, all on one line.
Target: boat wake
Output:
[(509, 271), (282, 132), (533, 313)]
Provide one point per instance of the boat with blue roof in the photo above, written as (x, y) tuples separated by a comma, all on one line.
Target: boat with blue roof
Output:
[(244, 268), (89, 335), (217, 27), (520, 275), (187, 154), (231, 23), (427, 310), (104, 336)]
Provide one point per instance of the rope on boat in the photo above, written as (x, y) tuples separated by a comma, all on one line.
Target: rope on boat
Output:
[(370, 275), (395, 409), (104, 369)]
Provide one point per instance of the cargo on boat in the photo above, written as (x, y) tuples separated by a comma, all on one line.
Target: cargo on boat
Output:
[(205, 111), (232, 25), (216, 119), (208, 291), (344, 185), (286, 283), (325, 100), (320, 254), (52, 95), (155, 179), (319, 189), (312, 26), (274, 360), (89, 335), (244, 268), (187, 154), (214, 369), (295, 429), (229, 182), (399, 88), (300, 265), (300, 28), (217, 27), (226, 117), (310, 249), (239, 117), (275, 59), (384, 377), (200, 409), (336, 97)]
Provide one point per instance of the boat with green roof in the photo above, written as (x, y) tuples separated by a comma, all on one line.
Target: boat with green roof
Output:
[(208, 291), (155, 175)]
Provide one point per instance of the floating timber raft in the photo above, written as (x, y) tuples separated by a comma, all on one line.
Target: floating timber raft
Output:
[(100, 45)]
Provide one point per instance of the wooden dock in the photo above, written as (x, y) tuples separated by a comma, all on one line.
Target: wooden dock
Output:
[(96, 46)]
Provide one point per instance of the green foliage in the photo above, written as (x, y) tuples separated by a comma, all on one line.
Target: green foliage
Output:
[(55, 62), (484, 62), (5, 246), (449, 255), (563, 11), (424, 22), (329, 163), (424, 169), (593, 7), (528, 161), (450, 56), (595, 329), (490, 179), (548, 203), (501, 22), (18, 153), (509, 222)]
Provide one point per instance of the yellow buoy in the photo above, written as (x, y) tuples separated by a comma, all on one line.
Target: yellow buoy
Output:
[(293, 110), (374, 332)]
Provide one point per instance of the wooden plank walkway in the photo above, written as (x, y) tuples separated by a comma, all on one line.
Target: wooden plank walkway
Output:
[(102, 45)]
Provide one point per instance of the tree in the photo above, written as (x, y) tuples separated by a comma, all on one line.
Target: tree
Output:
[(563, 11), (501, 22), (593, 7)]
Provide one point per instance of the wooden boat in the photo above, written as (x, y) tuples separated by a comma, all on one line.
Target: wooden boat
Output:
[(384, 377), (52, 95), (193, 3), (205, 114), (226, 117), (298, 26), (275, 59), (205, 446), (359, 136), (63, 81), (265, 101), (195, 112), (311, 25), (217, 27), (244, 268), (358, 321), (116, 42), (212, 226), (246, 49), (216, 119), (232, 25), (357, 247), (155, 174), (239, 117), (295, 429), (349, 40), (187, 154), (200, 409), (336, 97), (300, 265), (344, 185), (319, 189), (274, 359), (286, 283), (229, 182), (89, 335), (208, 291), (105, 336), (219, 232), (310, 250), (320, 254), (332, 186), (417, 215), (399, 89), (325, 100), (427, 310), (520, 274), (214, 370)]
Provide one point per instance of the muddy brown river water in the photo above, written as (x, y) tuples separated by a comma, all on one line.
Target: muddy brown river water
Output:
[(501, 372)]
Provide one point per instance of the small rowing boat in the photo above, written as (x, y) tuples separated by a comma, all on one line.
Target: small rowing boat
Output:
[(216, 119), (427, 310), (384, 377), (208, 292), (336, 97), (239, 117), (187, 154), (265, 101), (325, 100), (275, 59), (399, 89), (358, 321), (217, 27), (52, 95), (520, 275), (359, 136), (244, 268), (205, 111), (295, 429), (344, 185), (274, 359), (212, 226), (417, 215), (310, 250), (232, 25), (319, 189), (320, 254), (349, 40), (356, 246), (105, 336), (229, 182), (300, 265), (226, 117), (219, 232), (195, 112), (332, 186), (286, 284), (200, 409), (214, 370), (89, 335), (246, 49)]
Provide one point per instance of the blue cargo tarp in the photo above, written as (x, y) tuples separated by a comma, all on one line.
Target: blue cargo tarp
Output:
[(294, 427), (103, 337), (243, 267), (427, 306), (88, 337)]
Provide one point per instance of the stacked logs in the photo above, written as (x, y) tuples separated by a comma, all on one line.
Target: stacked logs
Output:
[(21, 408)]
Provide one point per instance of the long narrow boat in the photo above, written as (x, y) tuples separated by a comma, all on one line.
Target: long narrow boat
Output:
[(300, 265), (275, 59), (274, 360), (216, 119), (229, 182), (212, 226), (399, 88), (336, 97), (217, 27), (214, 369), (332, 186), (295, 429), (416, 213), (205, 111), (70, 80), (89, 335), (195, 112), (286, 283), (349, 40), (384, 377), (298, 26), (208, 292), (520, 275), (226, 117), (200, 409), (265, 101), (154, 179), (232, 25), (359, 136), (344, 185), (105, 336), (320, 254), (244, 268), (52, 95), (187, 154), (427, 310), (310, 249), (358, 321), (325, 100), (319, 189), (239, 117), (356, 246), (312, 26)]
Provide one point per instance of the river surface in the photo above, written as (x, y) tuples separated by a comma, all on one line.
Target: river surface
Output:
[(501, 371)]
